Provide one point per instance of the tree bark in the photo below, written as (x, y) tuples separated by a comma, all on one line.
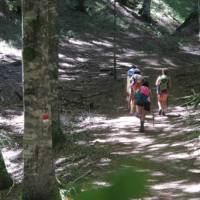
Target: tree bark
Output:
[(57, 134), (39, 177), (81, 5), (5, 179), (145, 11), (199, 17), (189, 27)]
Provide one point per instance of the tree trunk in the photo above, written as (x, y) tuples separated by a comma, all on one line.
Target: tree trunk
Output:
[(57, 134), (199, 17), (39, 177), (5, 180), (145, 11), (189, 27), (81, 5)]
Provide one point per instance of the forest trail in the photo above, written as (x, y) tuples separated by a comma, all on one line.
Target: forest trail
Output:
[(102, 136)]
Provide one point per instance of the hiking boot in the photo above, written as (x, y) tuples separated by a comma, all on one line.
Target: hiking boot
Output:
[(160, 112), (163, 113)]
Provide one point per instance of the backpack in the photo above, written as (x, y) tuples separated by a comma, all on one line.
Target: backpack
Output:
[(133, 71), (140, 98), (163, 83)]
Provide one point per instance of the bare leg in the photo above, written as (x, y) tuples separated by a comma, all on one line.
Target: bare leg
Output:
[(160, 107), (142, 117), (164, 107), (143, 114), (138, 110)]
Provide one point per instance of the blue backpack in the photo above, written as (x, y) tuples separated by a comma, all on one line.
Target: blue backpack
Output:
[(133, 71)]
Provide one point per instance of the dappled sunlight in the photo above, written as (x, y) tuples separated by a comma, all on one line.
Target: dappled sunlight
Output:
[(82, 59), (157, 147), (15, 122), (13, 161), (79, 42), (151, 61), (66, 65), (101, 183), (181, 185), (175, 156), (104, 162), (102, 43), (191, 49), (169, 62), (8, 49)]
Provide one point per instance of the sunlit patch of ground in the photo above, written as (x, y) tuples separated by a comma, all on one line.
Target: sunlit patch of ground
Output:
[(8, 52), (166, 143), (13, 161)]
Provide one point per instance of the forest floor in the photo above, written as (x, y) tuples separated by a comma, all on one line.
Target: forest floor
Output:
[(101, 135)]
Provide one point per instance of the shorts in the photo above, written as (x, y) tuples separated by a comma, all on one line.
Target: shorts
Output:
[(163, 96), (143, 102)]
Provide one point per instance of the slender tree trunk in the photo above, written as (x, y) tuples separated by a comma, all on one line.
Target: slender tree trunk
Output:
[(57, 134), (199, 17), (114, 44), (190, 26), (5, 180), (39, 177), (81, 5), (145, 11)]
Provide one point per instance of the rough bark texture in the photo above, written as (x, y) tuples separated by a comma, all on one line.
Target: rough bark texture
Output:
[(53, 66), (5, 180), (81, 5), (189, 27), (145, 11), (199, 17), (39, 179)]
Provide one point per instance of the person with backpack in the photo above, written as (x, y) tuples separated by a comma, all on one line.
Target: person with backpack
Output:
[(163, 84), (129, 90), (143, 102)]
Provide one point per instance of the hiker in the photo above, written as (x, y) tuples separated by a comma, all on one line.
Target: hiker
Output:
[(163, 84), (130, 81), (142, 101)]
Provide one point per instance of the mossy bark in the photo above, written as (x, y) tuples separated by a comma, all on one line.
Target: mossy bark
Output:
[(5, 179), (39, 176)]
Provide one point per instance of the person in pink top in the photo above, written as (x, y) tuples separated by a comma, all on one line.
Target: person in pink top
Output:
[(143, 102)]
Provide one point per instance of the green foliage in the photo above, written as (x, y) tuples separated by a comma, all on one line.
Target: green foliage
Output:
[(182, 7), (193, 101), (193, 135), (178, 9), (13, 5), (124, 184), (4, 140)]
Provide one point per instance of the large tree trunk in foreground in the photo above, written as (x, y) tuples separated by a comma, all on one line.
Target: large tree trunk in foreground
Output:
[(189, 27), (39, 177), (5, 180), (145, 11)]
